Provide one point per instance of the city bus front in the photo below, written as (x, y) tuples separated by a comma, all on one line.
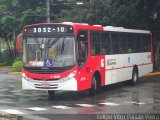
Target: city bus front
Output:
[(49, 57)]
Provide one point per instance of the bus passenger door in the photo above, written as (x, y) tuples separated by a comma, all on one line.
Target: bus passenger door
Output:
[(82, 55)]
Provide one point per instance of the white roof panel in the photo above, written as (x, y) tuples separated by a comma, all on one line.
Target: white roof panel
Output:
[(121, 29)]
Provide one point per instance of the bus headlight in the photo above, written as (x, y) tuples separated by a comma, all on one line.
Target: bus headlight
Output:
[(71, 75), (26, 78), (23, 74)]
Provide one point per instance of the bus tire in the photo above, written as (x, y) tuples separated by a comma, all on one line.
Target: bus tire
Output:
[(95, 86), (134, 76), (51, 94)]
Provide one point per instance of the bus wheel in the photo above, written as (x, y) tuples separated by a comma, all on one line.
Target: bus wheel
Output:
[(134, 76), (51, 94), (95, 86)]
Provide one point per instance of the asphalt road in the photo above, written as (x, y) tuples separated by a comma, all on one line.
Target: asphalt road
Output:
[(119, 99)]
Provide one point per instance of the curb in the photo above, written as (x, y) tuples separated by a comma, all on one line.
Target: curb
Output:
[(14, 73), (5, 66), (11, 73), (147, 75), (19, 73), (152, 74)]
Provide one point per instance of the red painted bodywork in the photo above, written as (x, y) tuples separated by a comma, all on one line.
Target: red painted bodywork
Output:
[(85, 74)]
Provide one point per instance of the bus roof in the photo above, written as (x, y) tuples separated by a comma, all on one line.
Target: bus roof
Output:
[(84, 26), (93, 27), (121, 29)]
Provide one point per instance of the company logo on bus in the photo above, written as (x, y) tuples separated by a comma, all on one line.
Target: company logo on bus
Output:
[(111, 62), (149, 56)]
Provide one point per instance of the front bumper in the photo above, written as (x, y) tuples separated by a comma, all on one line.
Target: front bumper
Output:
[(69, 85)]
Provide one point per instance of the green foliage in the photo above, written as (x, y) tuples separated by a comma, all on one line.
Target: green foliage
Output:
[(5, 63), (17, 65), (5, 57), (127, 13), (14, 14), (139, 14)]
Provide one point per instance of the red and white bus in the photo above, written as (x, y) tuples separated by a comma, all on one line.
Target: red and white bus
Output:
[(76, 56)]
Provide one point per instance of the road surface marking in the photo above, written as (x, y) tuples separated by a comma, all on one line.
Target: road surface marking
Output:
[(34, 117), (156, 100), (138, 103), (13, 111), (36, 108), (109, 104), (61, 107), (85, 105)]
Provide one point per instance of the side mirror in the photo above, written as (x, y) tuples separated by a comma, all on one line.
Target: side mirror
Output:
[(18, 44)]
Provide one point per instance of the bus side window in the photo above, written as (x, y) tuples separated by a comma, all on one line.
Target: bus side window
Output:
[(123, 43), (92, 49), (143, 43), (148, 45), (130, 43), (105, 43), (115, 43), (137, 43), (95, 43)]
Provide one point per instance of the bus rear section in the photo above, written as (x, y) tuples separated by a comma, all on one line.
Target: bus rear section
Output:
[(130, 54)]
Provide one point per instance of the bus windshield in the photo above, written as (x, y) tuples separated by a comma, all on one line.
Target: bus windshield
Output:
[(58, 51)]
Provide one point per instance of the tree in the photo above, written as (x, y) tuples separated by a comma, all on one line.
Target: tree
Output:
[(139, 14), (17, 13)]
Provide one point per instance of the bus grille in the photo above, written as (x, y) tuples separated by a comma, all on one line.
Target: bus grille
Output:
[(55, 86), (47, 70)]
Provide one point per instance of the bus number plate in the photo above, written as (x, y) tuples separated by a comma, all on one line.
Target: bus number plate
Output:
[(45, 85)]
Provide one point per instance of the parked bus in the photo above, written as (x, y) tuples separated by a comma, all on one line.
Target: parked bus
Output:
[(76, 56)]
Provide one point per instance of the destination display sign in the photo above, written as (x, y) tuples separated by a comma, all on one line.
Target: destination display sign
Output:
[(47, 29)]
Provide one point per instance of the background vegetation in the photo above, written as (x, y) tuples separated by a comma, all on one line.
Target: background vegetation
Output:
[(14, 14)]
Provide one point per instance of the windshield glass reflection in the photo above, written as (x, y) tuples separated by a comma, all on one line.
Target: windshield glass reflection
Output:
[(50, 52)]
